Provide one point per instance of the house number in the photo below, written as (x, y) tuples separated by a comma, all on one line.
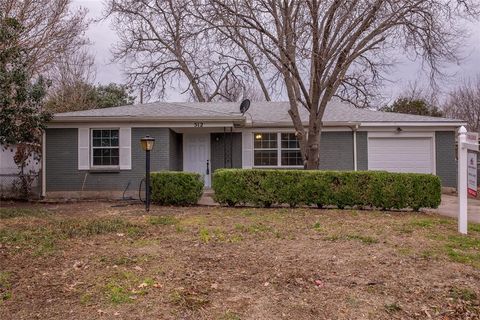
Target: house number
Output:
[(198, 124)]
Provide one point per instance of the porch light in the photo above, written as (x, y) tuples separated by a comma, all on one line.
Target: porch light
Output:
[(258, 136), (147, 143)]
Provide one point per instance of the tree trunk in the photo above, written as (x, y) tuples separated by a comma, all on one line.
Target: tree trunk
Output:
[(312, 155)]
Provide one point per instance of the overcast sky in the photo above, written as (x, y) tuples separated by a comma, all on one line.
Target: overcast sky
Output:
[(405, 72)]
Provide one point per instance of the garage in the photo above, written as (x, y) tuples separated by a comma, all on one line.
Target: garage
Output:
[(401, 154)]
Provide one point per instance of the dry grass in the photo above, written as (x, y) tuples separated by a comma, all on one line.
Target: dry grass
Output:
[(95, 261)]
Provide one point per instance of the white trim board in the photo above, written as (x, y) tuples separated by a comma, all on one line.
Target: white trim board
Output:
[(402, 134), (134, 124), (219, 126), (44, 164), (406, 129)]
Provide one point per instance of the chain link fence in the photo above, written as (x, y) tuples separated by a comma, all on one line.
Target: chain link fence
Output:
[(10, 186)]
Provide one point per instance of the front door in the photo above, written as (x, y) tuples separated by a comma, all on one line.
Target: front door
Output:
[(196, 155)]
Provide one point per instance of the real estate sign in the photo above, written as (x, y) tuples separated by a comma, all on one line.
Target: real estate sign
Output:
[(472, 174), (472, 146)]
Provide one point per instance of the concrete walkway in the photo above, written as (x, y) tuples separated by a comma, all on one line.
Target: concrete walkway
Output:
[(207, 198), (449, 208)]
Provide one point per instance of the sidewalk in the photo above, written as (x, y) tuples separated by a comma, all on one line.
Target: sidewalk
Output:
[(449, 208)]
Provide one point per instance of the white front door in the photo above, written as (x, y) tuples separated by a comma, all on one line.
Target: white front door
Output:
[(196, 155)]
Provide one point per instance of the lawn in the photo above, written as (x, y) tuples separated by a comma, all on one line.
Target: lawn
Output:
[(104, 261)]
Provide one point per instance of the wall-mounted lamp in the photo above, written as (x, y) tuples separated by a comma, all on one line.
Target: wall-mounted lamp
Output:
[(258, 136)]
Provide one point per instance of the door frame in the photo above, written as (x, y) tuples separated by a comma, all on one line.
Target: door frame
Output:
[(208, 178)]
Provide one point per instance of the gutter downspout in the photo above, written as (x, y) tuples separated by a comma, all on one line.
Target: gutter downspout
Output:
[(355, 165), (44, 162), (231, 147), (224, 147)]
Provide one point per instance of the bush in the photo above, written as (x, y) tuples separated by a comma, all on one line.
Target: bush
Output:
[(377, 189), (176, 188)]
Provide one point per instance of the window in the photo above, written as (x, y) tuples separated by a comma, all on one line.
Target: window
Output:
[(276, 149), (105, 150), (265, 149), (291, 155)]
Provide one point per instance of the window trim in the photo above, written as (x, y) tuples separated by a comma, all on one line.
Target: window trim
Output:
[(278, 149), (107, 167)]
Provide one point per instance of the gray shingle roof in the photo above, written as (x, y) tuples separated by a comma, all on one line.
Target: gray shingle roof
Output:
[(266, 113), (154, 110)]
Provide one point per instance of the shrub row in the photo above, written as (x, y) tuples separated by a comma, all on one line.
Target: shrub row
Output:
[(176, 188), (377, 189)]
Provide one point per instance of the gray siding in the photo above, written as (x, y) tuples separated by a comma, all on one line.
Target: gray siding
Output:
[(336, 151), (446, 163), (176, 151), (362, 151), (62, 162), (226, 150)]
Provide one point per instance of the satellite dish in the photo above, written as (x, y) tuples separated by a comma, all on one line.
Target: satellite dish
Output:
[(244, 106)]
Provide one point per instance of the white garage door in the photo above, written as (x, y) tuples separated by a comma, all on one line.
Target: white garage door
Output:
[(401, 154)]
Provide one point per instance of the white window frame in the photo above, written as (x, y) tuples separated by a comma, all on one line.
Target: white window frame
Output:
[(278, 149), (92, 147)]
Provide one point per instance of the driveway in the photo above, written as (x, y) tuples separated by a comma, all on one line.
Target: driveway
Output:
[(449, 208)]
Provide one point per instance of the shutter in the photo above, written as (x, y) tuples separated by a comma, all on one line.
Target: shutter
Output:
[(247, 146), (83, 148), (125, 148)]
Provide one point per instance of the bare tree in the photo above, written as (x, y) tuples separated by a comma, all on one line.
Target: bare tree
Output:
[(74, 89), (416, 98), (51, 30), (464, 103), (72, 77), (73, 68), (416, 90), (324, 48), (164, 43), (316, 49)]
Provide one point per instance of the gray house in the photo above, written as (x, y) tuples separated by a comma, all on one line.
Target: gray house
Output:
[(97, 152)]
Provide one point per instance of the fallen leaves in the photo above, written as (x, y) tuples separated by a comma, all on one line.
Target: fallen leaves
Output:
[(143, 285), (319, 283)]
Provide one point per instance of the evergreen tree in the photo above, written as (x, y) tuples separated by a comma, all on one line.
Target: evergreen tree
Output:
[(21, 100)]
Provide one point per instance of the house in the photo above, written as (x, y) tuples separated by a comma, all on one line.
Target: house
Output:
[(97, 152)]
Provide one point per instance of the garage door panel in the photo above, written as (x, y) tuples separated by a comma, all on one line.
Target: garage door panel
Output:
[(404, 163), (401, 154), (382, 157)]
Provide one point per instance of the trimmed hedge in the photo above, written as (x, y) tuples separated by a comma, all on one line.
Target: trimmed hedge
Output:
[(176, 188), (376, 189)]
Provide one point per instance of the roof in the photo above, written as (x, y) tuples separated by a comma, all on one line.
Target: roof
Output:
[(157, 110), (259, 114)]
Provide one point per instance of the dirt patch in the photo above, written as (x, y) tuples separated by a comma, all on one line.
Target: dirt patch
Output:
[(103, 261)]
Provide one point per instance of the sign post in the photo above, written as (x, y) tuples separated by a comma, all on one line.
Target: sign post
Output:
[(467, 174)]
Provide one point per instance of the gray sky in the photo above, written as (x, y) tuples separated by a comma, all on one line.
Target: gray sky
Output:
[(405, 72)]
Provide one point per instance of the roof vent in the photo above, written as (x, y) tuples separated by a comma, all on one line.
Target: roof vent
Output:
[(244, 106)]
